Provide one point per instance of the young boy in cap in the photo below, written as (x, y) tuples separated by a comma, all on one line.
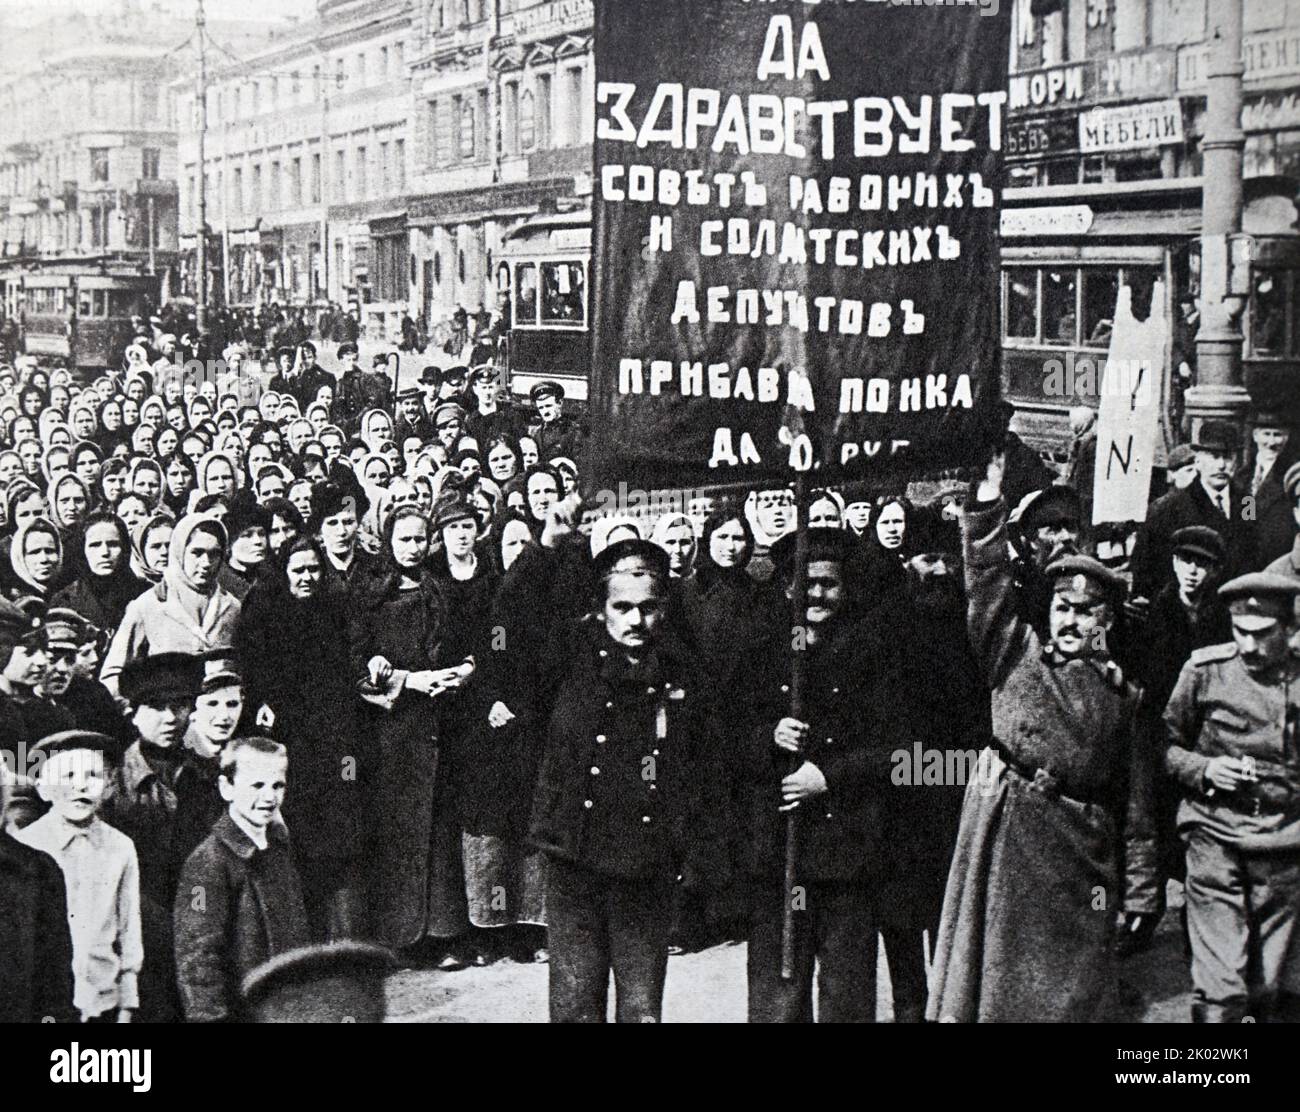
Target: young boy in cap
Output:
[(239, 901), (1052, 799), (100, 872), (1186, 615), (1209, 501), (1231, 745), (162, 803), (87, 700)]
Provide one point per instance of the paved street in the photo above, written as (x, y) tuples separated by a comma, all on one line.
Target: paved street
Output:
[(710, 987)]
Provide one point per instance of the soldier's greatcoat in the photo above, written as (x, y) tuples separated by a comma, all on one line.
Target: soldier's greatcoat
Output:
[(1035, 883)]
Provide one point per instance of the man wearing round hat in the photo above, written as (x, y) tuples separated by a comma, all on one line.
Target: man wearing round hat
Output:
[(411, 418), (1262, 485), (827, 762), (1049, 801), (451, 384), (1231, 746), (1186, 615), (555, 434), (1209, 501), (1046, 523)]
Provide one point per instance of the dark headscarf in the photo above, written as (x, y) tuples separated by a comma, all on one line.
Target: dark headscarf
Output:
[(102, 599)]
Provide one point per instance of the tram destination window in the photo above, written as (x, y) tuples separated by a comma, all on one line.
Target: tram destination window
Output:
[(564, 294)]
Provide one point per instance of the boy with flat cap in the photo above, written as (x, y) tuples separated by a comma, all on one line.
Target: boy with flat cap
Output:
[(100, 871), (1231, 745), (1186, 615), (1053, 801), (87, 700), (1209, 501), (162, 803)]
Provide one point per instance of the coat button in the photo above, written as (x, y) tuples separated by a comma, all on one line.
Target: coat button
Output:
[(830, 741), (828, 814), (645, 819), (654, 752), (835, 690), (609, 706), (600, 739), (649, 690), (588, 804), (603, 654), (595, 771), (653, 786), (785, 688)]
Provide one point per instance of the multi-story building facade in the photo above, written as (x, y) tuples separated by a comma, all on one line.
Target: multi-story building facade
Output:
[(1105, 123), (503, 106), (88, 141), (305, 145)]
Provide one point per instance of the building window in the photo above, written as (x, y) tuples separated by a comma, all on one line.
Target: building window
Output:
[(1130, 24), (527, 121), (510, 118), (149, 163), (399, 57), (383, 62), (340, 73), (383, 169), (340, 177), (466, 117), (544, 110), (99, 164), (315, 179), (256, 191), (572, 105), (361, 71), (399, 161), (361, 174), (295, 181), (237, 190), (276, 200)]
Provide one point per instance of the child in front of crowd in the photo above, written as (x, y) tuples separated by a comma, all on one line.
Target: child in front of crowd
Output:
[(239, 901), (100, 872)]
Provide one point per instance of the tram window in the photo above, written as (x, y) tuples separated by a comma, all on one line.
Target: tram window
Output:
[(1100, 290), (120, 303), (1268, 332), (1022, 304), (564, 294), (84, 306), (526, 294), (1060, 307)]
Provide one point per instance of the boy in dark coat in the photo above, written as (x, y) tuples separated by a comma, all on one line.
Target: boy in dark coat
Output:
[(239, 901)]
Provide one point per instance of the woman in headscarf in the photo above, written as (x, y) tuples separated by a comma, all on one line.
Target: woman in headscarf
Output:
[(133, 509), (86, 462), (81, 418), (145, 480), (150, 541), (217, 475), (318, 413), (502, 458), (179, 478), (543, 487), (299, 493), (35, 560), (610, 530), (298, 432), (31, 400), (188, 612), (69, 504), (291, 642), (375, 427), (24, 502), (165, 442), (105, 585), (398, 662), (153, 412), (48, 422), (11, 468), (130, 419), (882, 563), (31, 453), (675, 534), (21, 427), (56, 461), (111, 430)]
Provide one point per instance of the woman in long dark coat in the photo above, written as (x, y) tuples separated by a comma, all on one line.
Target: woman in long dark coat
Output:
[(292, 645), (498, 778), (398, 626)]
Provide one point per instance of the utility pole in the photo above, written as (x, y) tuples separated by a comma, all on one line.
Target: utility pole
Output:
[(201, 283), (324, 182), (1218, 392)]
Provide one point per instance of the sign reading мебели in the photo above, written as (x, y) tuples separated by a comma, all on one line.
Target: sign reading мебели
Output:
[(796, 236)]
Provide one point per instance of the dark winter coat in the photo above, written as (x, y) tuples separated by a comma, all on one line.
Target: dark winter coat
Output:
[(35, 942)]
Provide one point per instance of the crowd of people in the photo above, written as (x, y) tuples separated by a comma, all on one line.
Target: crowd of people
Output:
[(350, 662)]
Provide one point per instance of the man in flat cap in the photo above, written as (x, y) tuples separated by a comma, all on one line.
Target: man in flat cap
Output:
[(1044, 525), (451, 384), (87, 700), (827, 761), (1186, 615), (1051, 801), (1180, 469), (555, 434), (1261, 485), (449, 424), (25, 716), (349, 395), (1289, 562), (411, 418), (630, 795), (1209, 501), (1231, 745), (161, 802)]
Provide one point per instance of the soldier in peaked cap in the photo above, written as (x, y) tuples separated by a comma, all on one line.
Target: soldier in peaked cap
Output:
[(1062, 775), (1231, 745), (555, 434)]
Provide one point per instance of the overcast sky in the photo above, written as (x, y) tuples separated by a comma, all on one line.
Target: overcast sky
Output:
[(29, 11)]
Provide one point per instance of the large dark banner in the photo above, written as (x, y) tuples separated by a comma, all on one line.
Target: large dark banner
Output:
[(796, 236)]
